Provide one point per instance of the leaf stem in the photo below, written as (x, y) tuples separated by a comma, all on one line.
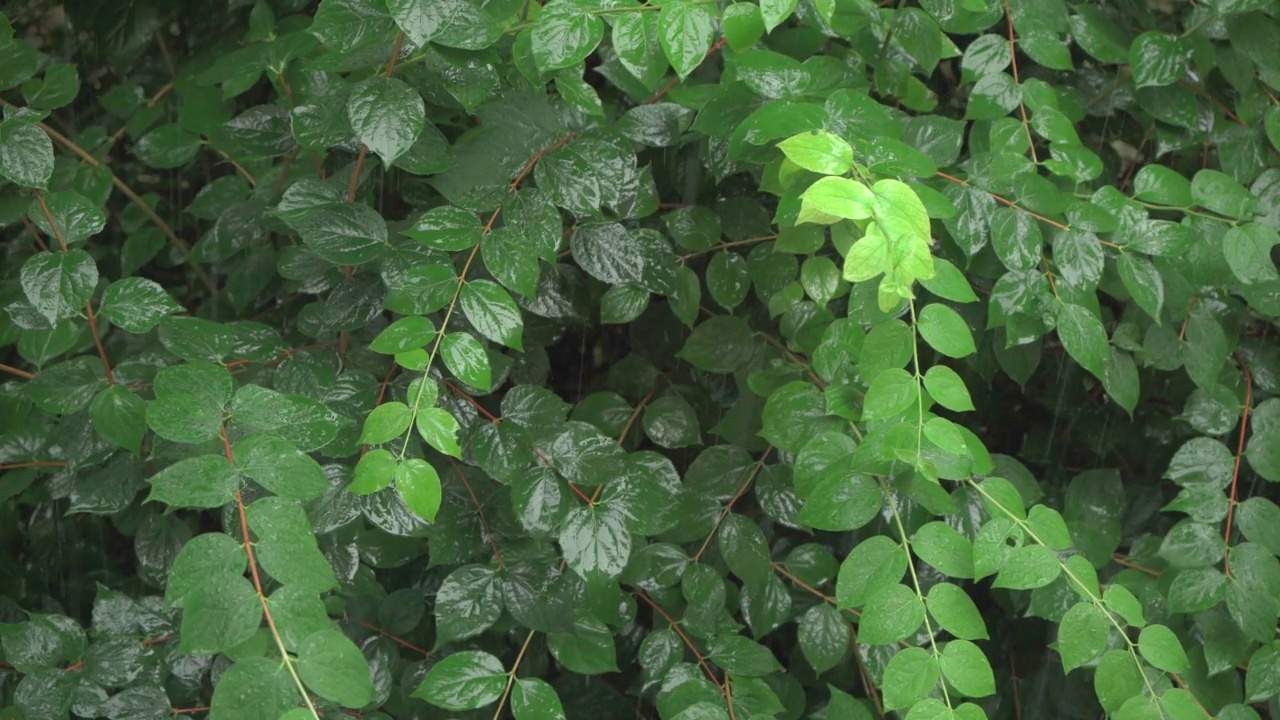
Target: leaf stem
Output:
[(257, 585), (88, 306), (1013, 59), (1089, 592), (1235, 471), (17, 372), (134, 198), (724, 512), (915, 582)]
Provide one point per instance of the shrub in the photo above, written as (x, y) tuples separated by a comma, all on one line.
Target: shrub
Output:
[(608, 359)]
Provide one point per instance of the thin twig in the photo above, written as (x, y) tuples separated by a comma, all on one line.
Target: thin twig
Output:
[(484, 523), (702, 660), (1013, 58), (134, 198), (88, 306), (1235, 472), (724, 512), (394, 638), (257, 585), (15, 371)]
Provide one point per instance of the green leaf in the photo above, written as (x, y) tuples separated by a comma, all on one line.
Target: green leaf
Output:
[(1084, 338), (462, 24), (492, 312), (58, 284), (775, 12), (256, 688), (1049, 528), (1028, 567), (464, 680), (419, 487), (948, 389), (407, 333), (635, 39), (943, 547), (1143, 282), (440, 430), (1248, 252), (375, 471), (468, 602), (742, 24), (59, 86), (26, 153), (534, 699), (210, 559), (685, 30), (466, 359), (219, 617), (1259, 520), (671, 422), (841, 502), (872, 565), (333, 668), (608, 252), (742, 656), (819, 151), (120, 416), (385, 423), (1122, 602), (834, 198), (595, 541), (446, 228), (341, 233), (1220, 193), (1262, 680), (75, 216), (949, 283), (167, 147), (1117, 679), (945, 331), (1079, 258), (720, 344), (892, 613), (890, 393), (563, 35), (1157, 58), (588, 650), (1082, 635), (909, 677), (993, 96), (278, 466), (287, 547), (824, 637), (386, 115), (205, 481), (136, 304), (967, 669), (955, 612), (1160, 184), (1160, 647)]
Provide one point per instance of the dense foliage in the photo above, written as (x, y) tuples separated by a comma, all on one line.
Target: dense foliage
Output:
[(691, 360)]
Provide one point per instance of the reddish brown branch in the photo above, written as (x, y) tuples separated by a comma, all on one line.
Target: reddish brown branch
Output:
[(1013, 59), (88, 306), (724, 512), (484, 523), (676, 80), (702, 660), (394, 638), (1235, 472), (15, 371)]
